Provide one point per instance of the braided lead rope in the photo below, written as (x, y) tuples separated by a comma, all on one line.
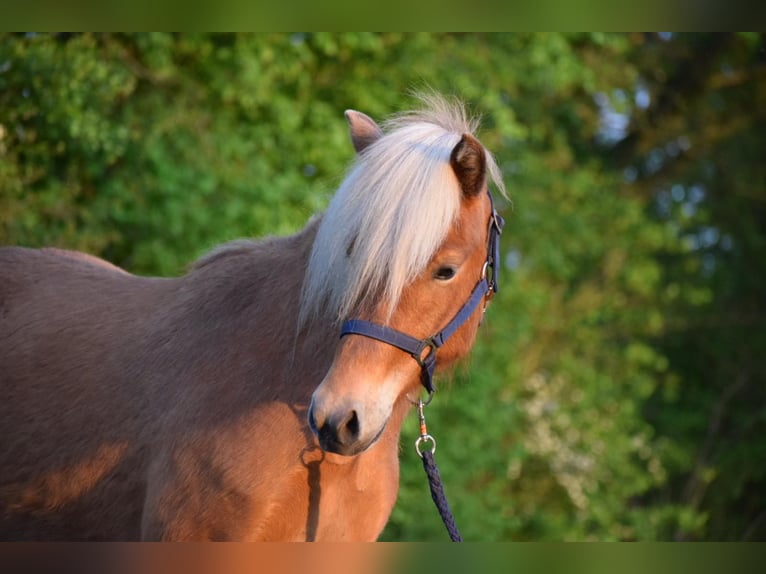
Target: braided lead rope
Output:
[(434, 478)]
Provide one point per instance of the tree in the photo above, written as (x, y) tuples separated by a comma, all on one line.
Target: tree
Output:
[(696, 154)]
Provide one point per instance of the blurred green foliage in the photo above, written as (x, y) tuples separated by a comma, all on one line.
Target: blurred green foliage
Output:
[(616, 391)]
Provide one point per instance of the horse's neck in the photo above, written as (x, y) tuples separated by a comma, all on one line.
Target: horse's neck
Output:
[(255, 286)]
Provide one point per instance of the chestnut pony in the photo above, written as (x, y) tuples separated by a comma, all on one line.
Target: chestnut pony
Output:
[(223, 405)]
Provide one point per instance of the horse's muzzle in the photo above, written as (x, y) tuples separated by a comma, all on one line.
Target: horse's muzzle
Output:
[(340, 431)]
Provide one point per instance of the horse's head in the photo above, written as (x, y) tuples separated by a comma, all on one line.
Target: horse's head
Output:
[(408, 273)]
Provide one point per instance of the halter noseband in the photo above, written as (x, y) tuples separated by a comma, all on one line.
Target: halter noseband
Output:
[(424, 350)]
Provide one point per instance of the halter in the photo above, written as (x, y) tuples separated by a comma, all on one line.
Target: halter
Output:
[(424, 350)]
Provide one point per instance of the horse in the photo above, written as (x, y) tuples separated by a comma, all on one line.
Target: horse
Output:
[(223, 404)]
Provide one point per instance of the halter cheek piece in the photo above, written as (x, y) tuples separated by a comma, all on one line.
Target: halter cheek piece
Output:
[(424, 350)]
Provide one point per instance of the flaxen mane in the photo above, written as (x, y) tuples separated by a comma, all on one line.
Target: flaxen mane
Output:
[(390, 214)]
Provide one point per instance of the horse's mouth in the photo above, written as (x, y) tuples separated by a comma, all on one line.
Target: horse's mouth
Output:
[(348, 450)]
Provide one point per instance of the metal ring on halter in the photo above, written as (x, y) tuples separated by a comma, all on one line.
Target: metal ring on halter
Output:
[(427, 343), (422, 439), (490, 283), (419, 401)]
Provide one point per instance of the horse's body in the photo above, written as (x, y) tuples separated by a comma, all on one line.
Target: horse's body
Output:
[(186, 391), (176, 409)]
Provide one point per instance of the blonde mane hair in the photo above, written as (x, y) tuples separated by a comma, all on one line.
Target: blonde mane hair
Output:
[(390, 214)]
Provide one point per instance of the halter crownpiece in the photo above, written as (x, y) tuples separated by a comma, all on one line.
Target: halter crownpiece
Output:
[(424, 350)]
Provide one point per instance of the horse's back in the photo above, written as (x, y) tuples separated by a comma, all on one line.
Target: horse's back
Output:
[(49, 295), (67, 323), (81, 257), (26, 274)]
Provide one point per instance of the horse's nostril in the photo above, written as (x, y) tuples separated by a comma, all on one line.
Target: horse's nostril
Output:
[(352, 425), (338, 431)]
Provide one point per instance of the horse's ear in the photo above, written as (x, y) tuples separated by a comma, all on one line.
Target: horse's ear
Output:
[(470, 164), (363, 129)]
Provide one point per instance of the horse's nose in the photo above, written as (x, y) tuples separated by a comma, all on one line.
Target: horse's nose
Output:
[(337, 431)]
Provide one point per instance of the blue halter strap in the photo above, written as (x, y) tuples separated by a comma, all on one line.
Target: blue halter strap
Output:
[(424, 350)]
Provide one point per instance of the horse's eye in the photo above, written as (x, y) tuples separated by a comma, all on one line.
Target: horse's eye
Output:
[(444, 273)]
